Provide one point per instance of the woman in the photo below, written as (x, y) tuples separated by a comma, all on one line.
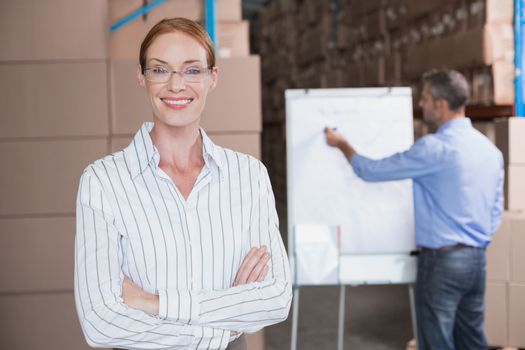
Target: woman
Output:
[(177, 240)]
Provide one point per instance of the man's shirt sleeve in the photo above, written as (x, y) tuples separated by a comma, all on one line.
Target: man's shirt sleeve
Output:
[(426, 156), (497, 210)]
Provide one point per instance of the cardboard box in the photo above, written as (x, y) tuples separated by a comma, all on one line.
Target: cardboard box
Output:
[(245, 143), (36, 254), (498, 252), (53, 29), (515, 187), (54, 99), (481, 46), (510, 140), (42, 176), (40, 321), (490, 11), (517, 255), (516, 315), (493, 85), (235, 105), (503, 74), (232, 39), (496, 306), (225, 10), (249, 143), (490, 45)]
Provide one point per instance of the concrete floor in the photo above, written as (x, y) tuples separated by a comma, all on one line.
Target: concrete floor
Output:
[(376, 318)]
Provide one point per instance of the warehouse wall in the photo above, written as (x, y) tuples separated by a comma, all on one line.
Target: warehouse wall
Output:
[(357, 43), (68, 97)]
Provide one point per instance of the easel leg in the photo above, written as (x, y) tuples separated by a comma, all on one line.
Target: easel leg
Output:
[(341, 330), (295, 317), (413, 310)]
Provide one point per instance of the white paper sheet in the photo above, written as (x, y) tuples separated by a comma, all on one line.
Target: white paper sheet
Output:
[(322, 187)]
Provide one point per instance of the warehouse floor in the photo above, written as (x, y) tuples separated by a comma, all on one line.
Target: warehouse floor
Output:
[(377, 318)]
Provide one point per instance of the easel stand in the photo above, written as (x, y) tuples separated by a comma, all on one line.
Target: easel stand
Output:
[(341, 322)]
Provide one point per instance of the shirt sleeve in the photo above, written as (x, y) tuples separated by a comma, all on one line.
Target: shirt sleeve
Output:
[(105, 319), (497, 210), (249, 307), (428, 155)]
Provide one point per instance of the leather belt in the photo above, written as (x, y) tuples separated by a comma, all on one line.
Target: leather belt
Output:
[(449, 248)]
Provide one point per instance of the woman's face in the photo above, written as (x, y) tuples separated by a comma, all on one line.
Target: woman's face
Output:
[(177, 102)]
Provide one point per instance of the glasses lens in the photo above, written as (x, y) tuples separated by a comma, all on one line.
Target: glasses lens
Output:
[(157, 74), (194, 74)]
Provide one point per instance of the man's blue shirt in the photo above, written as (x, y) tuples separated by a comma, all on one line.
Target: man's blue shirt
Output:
[(458, 179)]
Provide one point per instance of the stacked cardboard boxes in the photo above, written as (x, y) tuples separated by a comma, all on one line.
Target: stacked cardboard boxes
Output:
[(233, 110), (232, 32), (505, 295), (54, 122), (511, 141), (376, 43), (69, 97), (506, 273)]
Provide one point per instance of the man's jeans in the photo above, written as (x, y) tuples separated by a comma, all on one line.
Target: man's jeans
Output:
[(450, 292)]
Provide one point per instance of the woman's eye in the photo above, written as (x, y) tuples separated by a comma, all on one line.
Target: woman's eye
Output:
[(193, 71), (159, 70)]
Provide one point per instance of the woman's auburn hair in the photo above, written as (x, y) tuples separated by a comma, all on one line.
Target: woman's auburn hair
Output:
[(178, 24)]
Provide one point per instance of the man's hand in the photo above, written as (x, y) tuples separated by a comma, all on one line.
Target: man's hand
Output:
[(254, 267), (138, 298), (336, 139)]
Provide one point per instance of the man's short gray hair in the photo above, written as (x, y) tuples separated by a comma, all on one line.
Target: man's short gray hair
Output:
[(449, 85)]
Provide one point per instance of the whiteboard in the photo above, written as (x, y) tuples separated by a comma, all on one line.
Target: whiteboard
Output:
[(376, 220)]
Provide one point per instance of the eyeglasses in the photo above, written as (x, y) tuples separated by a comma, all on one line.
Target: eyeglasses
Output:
[(163, 75)]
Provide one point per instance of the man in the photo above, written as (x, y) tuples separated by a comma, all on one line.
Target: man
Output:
[(457, 176)]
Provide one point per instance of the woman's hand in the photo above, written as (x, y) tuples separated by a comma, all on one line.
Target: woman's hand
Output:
[(138, 298), (254, 267)]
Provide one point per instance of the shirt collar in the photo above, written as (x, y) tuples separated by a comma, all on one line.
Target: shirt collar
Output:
[(210, 150), (455, 123), (142, 153)]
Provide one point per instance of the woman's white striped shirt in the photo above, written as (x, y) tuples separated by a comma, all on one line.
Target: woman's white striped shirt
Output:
[(133, 221)]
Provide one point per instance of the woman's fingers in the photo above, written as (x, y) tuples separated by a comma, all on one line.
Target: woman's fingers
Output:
[(245, 261), (249, 262), (263, 274), (257, 269), (252, 266)]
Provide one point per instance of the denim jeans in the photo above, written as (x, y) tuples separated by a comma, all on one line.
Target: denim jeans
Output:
[(450, 293)]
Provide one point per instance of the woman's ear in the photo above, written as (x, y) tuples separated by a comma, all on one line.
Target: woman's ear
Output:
[(215, 77), (140, 77)]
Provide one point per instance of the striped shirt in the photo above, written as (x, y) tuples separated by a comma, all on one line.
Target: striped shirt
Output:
[(133, 221)]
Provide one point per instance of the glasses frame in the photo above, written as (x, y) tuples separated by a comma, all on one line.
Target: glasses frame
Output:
[(171, 72)]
